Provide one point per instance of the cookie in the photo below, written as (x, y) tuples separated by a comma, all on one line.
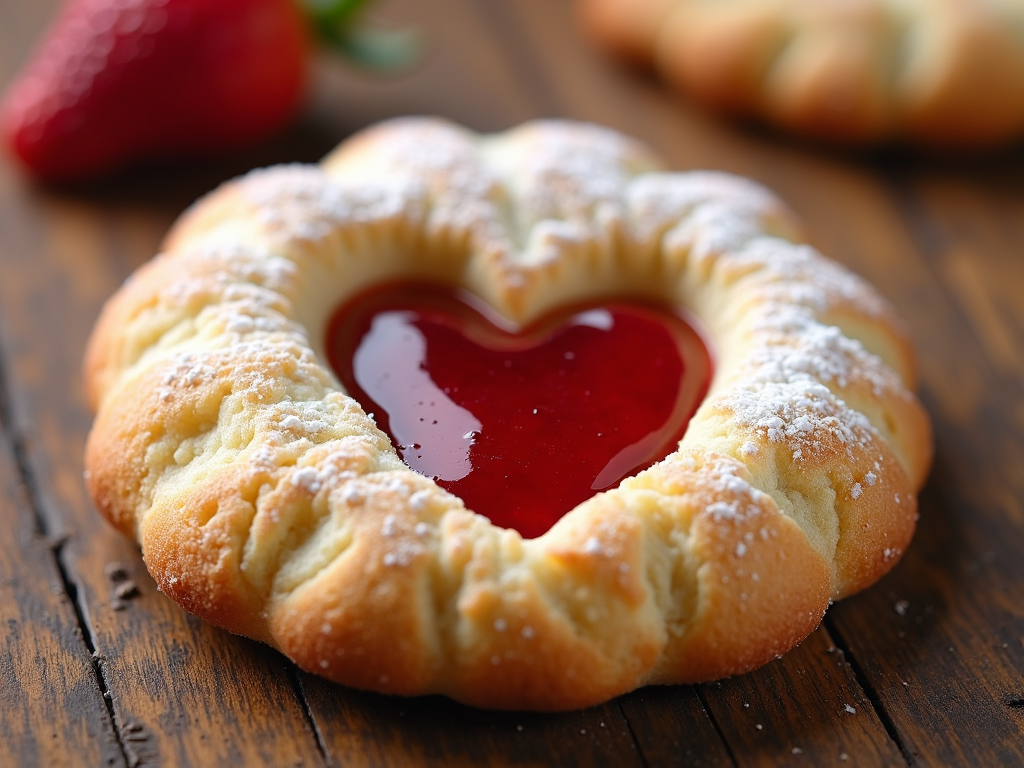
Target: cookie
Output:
[(267, 501)]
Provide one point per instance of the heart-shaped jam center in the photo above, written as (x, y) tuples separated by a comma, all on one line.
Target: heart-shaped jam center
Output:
[(525, 424)]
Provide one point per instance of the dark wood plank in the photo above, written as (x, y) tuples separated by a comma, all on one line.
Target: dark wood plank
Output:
[(807, 707), (53, 710), (463, 76), (671, 727), (369, 729), (950, 620), (937, 645), (971, 229), (940, 641), (181, 691)]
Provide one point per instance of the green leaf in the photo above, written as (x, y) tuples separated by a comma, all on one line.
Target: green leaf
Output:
[(339, 23), (381, 50)]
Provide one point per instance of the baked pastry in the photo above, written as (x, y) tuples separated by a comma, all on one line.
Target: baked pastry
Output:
[(268, 502), (939, 72)]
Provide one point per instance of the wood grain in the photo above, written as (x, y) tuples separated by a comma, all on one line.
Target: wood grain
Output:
[(929, 659), (182, 692), (368, 729), (945, 645), (53, 711), (810, 707), (672, 727)]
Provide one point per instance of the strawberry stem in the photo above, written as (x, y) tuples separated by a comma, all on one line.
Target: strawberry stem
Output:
[(340, 24)]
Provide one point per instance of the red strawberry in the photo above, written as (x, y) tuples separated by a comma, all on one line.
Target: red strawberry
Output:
[(121, 80)]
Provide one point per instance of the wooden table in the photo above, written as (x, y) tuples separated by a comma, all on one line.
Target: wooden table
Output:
[(925, 668)]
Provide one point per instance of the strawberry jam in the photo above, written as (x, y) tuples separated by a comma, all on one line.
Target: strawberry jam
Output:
[(521, 424)]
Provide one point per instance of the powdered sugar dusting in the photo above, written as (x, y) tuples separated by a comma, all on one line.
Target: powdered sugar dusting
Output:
[(297, 202), (572, 174), (722, 476), (419, 501), (592, 546), (352, 494), (659, 201), (460, 194), (389, 527), (795, 346), (307, 478), (402, 554), (797, 412)]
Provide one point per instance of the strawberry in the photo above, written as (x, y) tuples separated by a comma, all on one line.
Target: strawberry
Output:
[(115, 81)]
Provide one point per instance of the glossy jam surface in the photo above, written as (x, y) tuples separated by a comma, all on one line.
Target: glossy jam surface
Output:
[(525, 425)]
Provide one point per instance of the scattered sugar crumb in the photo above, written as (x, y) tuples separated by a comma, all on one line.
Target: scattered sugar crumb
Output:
[(307, 478), (396, 485), (400, 557), (352, 495)]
